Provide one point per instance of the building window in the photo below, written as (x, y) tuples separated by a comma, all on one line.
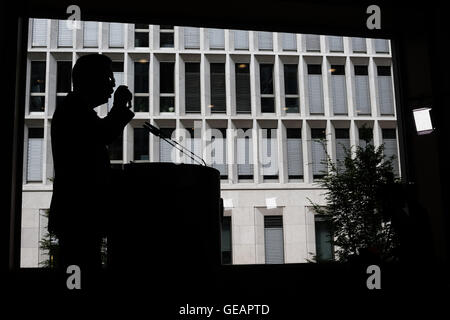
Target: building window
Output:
[(335, 44), (243, 104), (216, 38), (116, 35), (39, 37), (289, 41), (218, 93), (294, 153), (219, 152), (269, 154), (63, 80), (266, 86), (166, 151), (318, 153), (191, 38), (291, 88), (385, 90), (141, 144), (90, 34), (227, 244), (192, 87), (64, 34), (166, 36), (359, 45), (381, 46), (390, 147), (312, 42), (240, 40), (194, 144), (244, 152), (265, 40), (342, 144), (116, 147), (315, 91), (35, 154), (141, 86), (141, 35), (273, 240), (362, 91), (37, 86), (166, 87), (338, 89), (324, 238), (365, 134)]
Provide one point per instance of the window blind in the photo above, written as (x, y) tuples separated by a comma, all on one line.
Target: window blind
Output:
[(191, 38), (243, 104), (269, 153), (315, 89), (39, 32), (116, 34), (90, 34), (342, 143), (289, 41), (265, 40), (390, 147), (165, 149), (318, 154), (385, 90), (218, 93), (219, 153), (312, 42), (216, 38), (192, 87), (336, 44), (241, 40), (64, 34), (381, 46), (338, 90), (273, 240), (362, 91), (35, 154), (359, 45), (244, 156), (294, 153)]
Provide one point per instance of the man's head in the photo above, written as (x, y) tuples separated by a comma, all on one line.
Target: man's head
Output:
[(93, 78)]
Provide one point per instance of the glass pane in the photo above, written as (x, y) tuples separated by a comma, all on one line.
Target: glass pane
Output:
[(267, 105), (37, 104), (141, 144), (141, 39), (141, 104), (166, 40), (166, 77), (266, 78), (37, 81), (167, 104), (290, 79), (141, 77), (292, 105), (116, 149)]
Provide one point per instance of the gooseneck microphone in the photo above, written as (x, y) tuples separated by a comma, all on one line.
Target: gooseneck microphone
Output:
[(157, 132)]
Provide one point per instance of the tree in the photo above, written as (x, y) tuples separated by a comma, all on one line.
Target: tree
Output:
[(358, 213)]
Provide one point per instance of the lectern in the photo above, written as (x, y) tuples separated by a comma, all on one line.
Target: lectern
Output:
[(169, 224)]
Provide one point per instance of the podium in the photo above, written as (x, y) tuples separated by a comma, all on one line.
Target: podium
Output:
[(169, 221)]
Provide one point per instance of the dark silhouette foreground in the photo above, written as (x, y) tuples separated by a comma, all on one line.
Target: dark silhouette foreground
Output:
[(83, 187)]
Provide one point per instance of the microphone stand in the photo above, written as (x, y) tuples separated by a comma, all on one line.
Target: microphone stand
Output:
[(173, 143)]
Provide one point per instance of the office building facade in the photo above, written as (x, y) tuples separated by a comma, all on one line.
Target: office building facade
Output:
[(264, 108)]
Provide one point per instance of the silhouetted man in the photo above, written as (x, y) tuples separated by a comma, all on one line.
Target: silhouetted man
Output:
[(82, 189)]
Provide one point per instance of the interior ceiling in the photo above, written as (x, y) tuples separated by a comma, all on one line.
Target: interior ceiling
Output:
[(324, 17)]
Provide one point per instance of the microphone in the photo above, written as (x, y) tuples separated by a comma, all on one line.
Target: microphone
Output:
[(157, 132)]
